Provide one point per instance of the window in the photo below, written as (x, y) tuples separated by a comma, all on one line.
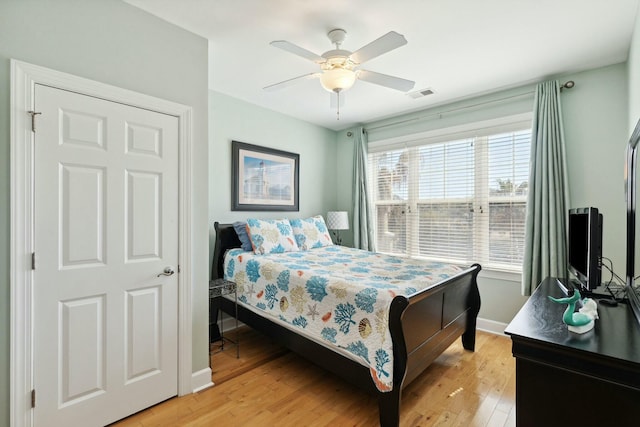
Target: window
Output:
[(458, 199)]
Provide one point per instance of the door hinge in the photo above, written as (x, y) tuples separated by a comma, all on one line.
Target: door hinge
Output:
[(178, 268), (33, 260), (33, 398), (33, 119)]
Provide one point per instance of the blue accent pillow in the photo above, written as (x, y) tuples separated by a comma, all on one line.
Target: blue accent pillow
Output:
[(241, 231)]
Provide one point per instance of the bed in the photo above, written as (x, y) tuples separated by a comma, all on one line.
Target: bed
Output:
[(421, 325)]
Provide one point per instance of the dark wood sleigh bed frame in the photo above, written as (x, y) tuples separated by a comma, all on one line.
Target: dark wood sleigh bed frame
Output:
[(421, 327)]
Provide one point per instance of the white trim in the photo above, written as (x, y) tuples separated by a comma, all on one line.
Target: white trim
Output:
[(185, 276), (410, 144), (509, 276), (201, 380), (491, 326), (21, 247), (24, 77), (482, 128)]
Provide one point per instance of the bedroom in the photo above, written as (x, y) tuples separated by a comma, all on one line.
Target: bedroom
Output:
[(92, 40)]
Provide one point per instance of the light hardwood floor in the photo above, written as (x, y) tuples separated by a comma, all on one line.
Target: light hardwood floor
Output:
[(269, 386)]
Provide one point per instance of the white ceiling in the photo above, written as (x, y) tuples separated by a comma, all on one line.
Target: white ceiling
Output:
[(459, 48)]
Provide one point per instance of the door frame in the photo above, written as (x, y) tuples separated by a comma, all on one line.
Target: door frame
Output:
[(24, 77)]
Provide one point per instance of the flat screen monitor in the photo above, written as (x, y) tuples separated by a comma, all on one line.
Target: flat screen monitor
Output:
[(585, 247)]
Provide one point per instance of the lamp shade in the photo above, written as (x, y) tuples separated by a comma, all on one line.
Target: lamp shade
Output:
[(337, 79), (337, 220)]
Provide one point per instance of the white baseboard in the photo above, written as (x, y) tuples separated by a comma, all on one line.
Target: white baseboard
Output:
[(491, 326), (201, 380)]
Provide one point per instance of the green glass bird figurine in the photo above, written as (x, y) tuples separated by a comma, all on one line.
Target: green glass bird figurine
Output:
[(579, 322)]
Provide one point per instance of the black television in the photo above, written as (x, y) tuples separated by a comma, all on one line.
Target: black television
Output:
[(585, 247)]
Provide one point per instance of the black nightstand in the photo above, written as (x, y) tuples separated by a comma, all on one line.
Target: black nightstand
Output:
[(218, 288)]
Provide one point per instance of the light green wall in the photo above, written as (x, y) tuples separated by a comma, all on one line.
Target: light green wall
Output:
[(115, 43), (595, 116), (596, 132), (232, 119)]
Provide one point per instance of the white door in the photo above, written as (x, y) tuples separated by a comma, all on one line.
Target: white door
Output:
[(106, 227)]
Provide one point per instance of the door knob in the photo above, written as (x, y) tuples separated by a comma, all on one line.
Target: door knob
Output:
[(168, 271)]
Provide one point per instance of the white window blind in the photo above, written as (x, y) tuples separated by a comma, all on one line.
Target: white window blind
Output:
[(461, 200)]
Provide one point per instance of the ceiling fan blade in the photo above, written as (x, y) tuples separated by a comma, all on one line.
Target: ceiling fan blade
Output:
[(291, 82), (384, 80), (297, 50), (384, 44)]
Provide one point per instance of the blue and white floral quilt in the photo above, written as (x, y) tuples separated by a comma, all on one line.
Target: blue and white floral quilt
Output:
[(337, 295)]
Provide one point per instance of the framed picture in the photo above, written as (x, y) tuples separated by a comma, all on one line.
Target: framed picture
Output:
[(263, 179)]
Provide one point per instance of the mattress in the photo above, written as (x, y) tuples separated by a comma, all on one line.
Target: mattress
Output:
[(337, 296)]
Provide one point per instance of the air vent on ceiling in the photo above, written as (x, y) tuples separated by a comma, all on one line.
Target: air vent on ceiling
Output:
[(420, 93)]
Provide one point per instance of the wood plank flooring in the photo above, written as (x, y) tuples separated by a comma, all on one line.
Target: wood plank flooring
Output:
[(270, 386)]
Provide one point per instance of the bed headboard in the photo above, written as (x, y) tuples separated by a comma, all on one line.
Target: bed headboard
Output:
[(226, 238)]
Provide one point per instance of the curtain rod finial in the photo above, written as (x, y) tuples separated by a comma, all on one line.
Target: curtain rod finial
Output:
[(568, 85)]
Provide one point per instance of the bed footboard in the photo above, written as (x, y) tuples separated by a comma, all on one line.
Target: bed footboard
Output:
[(433, 319), (424, 326)]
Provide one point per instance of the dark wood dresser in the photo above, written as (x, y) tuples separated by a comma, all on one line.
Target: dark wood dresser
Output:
[(566, 379)]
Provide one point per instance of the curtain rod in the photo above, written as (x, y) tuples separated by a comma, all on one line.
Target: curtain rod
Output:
[(567, 85)]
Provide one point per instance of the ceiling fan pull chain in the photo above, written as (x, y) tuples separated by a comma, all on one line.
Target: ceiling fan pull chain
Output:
[(338, 109)]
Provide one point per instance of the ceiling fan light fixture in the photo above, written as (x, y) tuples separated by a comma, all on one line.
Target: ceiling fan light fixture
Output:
[(337, 79)]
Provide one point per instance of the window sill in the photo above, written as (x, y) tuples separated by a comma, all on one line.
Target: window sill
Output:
[(511, 276)]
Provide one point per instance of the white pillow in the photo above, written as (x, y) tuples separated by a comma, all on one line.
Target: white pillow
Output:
[(311, 232), (271, 236)]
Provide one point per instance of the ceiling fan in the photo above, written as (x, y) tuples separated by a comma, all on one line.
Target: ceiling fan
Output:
[(340, 68)]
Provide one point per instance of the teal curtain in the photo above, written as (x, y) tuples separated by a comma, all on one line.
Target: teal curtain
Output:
[(362, 218), (545, 251)]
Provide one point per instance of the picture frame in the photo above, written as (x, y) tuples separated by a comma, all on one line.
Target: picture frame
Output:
[(263, 179)]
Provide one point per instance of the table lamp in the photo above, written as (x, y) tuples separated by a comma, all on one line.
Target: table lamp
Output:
[(336, 221)]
